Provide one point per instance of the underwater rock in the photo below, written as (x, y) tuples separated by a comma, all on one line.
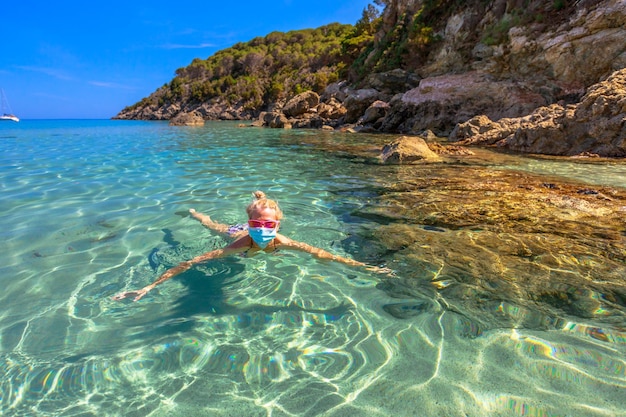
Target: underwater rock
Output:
[(510, 247), (409, 309)]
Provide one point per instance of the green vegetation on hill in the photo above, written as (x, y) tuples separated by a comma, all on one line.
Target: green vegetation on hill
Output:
[(407, 44), (254, 74), (251, 76)]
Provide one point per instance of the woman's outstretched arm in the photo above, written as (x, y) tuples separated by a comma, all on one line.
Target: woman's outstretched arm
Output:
[(319, 253), (182, 267)]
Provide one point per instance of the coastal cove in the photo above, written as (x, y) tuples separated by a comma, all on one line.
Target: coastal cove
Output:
[(488, 73), (507, 299)]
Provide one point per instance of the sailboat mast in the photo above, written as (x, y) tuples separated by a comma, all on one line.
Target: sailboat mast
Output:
[(7, 113)]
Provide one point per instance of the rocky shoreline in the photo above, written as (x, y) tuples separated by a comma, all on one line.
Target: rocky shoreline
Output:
[(596, 126), (557, 90)]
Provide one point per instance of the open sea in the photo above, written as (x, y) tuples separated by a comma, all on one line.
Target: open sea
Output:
[(94, 207)]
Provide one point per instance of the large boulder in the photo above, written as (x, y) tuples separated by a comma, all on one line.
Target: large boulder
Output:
[(187, 119), (440, 103), (331, 109), (406, 150), (338, 91), (376, 111), (274, 119), (358, 101), (301, 104)]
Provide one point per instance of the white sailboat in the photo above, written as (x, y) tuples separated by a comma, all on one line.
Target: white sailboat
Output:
[(7, 114)]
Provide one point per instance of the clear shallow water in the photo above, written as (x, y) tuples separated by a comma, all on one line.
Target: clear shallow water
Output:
[(93, 207)]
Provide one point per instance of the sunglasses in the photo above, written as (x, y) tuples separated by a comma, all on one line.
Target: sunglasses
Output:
[(269, 224)]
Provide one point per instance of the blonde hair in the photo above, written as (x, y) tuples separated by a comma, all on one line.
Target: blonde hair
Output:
[(261, 202)]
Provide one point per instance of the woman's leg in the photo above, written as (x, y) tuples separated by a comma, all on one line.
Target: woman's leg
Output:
[(208, 223)]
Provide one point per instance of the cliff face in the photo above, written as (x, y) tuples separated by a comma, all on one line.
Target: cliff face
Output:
[(571, 42), (594, 126), (553, 57), (457, 60)]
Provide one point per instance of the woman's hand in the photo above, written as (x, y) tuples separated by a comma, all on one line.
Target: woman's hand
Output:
[(380, 269), (138, 294)]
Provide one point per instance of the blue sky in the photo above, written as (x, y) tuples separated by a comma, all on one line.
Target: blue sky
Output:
[(84, 60)]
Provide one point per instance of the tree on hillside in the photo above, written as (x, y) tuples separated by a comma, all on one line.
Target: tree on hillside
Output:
[(255, 74)]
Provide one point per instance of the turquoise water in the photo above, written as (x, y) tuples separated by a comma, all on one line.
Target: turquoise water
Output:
[(91, 208)]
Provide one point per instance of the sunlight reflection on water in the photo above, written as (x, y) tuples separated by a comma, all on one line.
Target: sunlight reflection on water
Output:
[(457, 331)]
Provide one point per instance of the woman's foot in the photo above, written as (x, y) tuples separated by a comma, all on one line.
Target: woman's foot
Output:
[(207, 222), (204, 219)]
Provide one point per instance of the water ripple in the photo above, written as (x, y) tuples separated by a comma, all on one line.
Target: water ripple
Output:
[(474, 322)]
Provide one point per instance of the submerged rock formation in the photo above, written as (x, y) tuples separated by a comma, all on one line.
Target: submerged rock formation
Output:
[(527, 249)]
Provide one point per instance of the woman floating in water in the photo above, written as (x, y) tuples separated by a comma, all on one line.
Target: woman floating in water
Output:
[(259, 234)]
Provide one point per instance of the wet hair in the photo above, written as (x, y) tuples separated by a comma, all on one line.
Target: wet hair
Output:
[(261, 202)]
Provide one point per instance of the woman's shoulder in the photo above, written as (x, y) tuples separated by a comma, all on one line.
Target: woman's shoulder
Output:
[(283, 240), (287, 242), (242, 242)]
